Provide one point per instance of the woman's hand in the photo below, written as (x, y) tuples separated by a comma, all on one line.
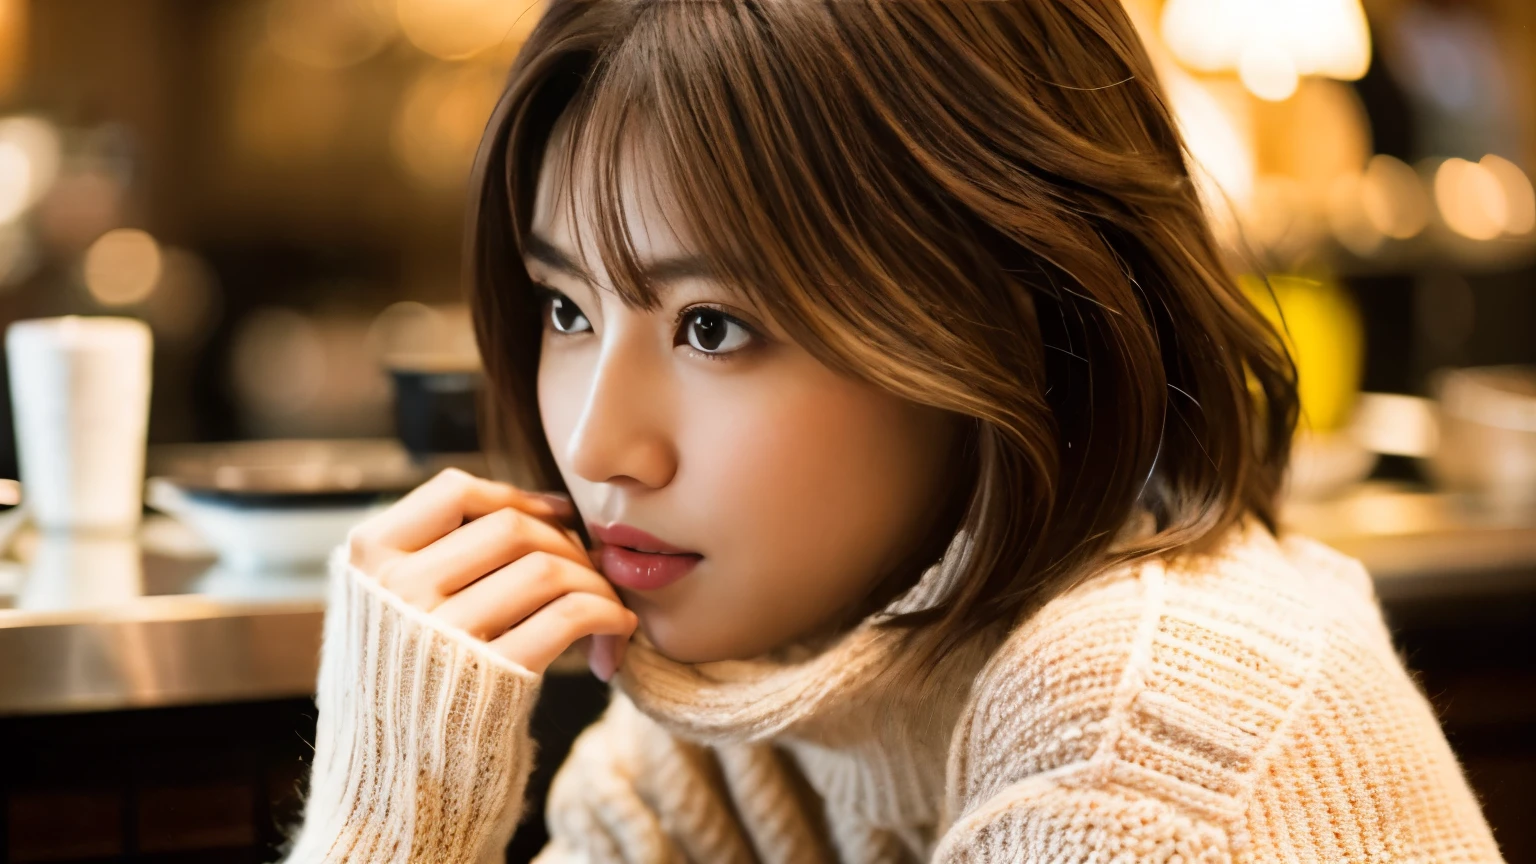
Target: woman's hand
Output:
[(494, 561)]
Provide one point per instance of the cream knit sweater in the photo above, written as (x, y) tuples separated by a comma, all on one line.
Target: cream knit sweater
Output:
[(1241, 706)]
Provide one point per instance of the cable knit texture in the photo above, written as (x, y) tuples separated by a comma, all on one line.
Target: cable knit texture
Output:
[(1243, 705)]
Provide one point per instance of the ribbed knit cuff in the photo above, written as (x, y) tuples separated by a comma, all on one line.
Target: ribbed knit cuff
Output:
[(422, 751)]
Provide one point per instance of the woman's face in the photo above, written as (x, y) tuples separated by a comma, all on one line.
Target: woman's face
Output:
[(703, 425)]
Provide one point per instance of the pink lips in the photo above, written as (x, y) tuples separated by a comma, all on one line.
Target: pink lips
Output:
[(631, 558)]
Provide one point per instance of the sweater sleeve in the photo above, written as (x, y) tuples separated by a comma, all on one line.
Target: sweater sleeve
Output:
[(422, 750)]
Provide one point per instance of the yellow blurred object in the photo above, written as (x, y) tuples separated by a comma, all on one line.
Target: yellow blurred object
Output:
[(1322, 329)]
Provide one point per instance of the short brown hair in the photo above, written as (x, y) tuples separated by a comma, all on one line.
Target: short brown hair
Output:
[(981, 206)]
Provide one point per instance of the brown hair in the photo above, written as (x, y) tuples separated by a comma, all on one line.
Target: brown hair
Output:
[(981, 206)]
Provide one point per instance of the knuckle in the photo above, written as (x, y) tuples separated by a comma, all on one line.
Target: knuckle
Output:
[(543, 566), (458, 481), (574, 609), (451, 474)]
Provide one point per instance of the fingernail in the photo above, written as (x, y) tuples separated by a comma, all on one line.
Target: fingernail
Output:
[(601, 659)]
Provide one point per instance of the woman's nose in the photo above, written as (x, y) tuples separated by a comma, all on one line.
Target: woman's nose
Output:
[(622, 434)]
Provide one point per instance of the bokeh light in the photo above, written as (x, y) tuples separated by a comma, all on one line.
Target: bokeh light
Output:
[(1269, 73), (406, 327), (15, 181), (1393, 198), (329, 34), (1270, 43), (439, 121), (458, 29), (29, 163), (1277, 200), (122, 267), (279, 361), (1347, 218), (1519, 198), (1471, 199)]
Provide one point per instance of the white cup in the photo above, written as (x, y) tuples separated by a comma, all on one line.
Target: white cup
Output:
[(80, 397)]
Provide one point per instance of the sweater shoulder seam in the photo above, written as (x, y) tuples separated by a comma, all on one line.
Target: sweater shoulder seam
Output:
[(1081, 775), (1311, 682), (1133, 678)]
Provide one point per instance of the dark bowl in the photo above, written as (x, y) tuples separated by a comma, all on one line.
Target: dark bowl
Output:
[(437, 403)]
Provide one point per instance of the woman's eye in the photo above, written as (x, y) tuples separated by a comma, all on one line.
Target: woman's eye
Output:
[(711, 331), (565, 317)]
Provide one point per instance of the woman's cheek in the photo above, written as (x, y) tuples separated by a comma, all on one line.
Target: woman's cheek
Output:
[(559, 398), (779, 469)]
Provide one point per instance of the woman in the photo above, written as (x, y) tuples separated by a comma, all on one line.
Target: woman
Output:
[(921, 459)]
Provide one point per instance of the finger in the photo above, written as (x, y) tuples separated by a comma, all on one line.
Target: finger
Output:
[(606, 654), (443, 503), (502, 600), (547, 633), (450, 563)]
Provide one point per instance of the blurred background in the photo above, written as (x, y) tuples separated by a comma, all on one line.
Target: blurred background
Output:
[(277, 188)]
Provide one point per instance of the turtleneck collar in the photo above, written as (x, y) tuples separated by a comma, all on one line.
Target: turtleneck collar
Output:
[(744, 701)]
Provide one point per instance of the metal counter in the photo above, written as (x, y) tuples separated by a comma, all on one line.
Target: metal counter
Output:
[(96, 624), (93, 623)]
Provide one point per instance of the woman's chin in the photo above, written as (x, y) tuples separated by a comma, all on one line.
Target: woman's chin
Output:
[(685, 641), (680, 644)]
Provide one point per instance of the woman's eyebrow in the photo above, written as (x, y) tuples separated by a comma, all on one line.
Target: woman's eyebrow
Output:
[(550, 255), (658, 272)]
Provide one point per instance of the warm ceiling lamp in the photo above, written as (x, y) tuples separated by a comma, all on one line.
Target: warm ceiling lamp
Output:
[(1270, 44)]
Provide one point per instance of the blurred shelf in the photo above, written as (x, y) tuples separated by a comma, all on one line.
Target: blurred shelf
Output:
[(1441, 252), (1422, 544)]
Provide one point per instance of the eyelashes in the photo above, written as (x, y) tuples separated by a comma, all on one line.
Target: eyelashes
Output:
[(726, 335)]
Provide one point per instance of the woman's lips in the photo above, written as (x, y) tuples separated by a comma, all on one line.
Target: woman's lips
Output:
[(644, 571), (633, 559)]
